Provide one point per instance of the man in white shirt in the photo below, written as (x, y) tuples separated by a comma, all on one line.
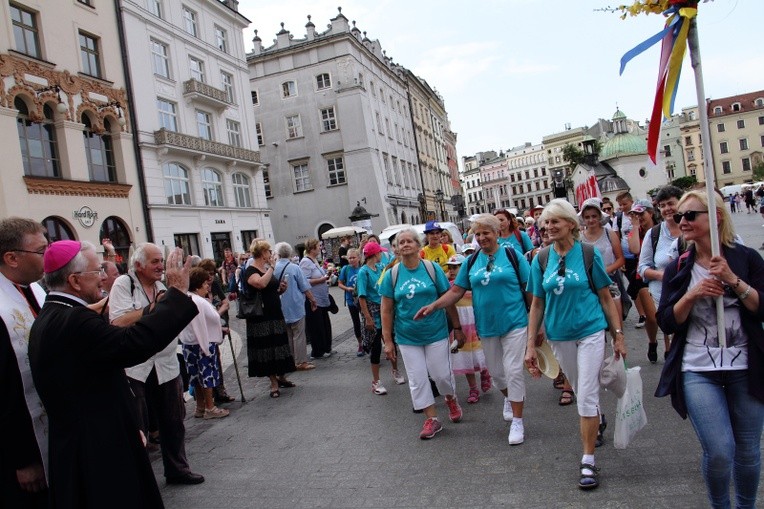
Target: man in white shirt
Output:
[(156, 383)]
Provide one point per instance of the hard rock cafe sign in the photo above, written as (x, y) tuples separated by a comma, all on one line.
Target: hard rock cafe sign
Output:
[(86, 216)]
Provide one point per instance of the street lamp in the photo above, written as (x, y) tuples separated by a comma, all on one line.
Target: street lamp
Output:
[(439, 199)]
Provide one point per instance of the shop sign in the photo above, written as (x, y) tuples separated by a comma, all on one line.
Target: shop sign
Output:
[(86, 216)]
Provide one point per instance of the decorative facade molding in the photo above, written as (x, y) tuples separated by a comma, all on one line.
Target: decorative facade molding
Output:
[(199, 91), (172, 140), (51, 186)]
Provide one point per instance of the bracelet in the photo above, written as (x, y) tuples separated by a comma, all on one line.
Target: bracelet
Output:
[(745, 294)]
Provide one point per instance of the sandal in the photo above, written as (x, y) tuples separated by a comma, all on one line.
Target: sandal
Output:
[(588, 479), (559, 381), (474, 396), (215, 413), (284, 384), (199, 413), (485, 380), (275, 393), (566, 397)]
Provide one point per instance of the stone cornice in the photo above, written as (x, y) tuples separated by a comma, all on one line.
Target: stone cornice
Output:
[(60, 187)]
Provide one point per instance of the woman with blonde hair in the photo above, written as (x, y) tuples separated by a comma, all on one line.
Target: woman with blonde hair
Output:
[(719, 386), (268, 350), (575, 312)]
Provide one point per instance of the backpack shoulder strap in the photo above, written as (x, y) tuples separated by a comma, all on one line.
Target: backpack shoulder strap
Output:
[(430, 269), (512, 257), (589, 263), (655, 234), (472, 259), (394, 274), (543, 256)]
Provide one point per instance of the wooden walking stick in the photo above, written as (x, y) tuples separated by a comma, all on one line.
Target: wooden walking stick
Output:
[(236, 366)]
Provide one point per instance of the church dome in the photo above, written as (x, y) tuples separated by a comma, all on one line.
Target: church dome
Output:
[(623, 144)]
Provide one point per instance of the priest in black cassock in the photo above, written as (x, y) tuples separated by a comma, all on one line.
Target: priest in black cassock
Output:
[(97, 456)]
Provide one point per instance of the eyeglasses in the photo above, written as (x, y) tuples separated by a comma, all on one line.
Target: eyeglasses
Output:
[(41, 253), (101, 272), (542, 230), (607, 209), (690, 215), (489, 267), (561, 267)]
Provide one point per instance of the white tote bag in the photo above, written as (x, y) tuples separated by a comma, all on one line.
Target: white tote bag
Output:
[(630, 413)]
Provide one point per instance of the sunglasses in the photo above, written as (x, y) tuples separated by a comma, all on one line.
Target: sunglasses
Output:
[(690, 215), (542, 230), (489, 267), (561, 267), (607, 209)]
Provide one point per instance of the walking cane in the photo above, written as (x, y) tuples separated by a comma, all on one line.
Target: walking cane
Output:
[(236, 367)]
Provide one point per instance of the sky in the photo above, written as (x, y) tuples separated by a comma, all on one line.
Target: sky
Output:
[(513, 71)]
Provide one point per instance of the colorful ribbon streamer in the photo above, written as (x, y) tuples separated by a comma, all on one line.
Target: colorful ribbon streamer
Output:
[(673, 47)]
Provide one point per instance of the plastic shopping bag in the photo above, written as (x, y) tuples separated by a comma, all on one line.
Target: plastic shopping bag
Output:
[(630, 413)]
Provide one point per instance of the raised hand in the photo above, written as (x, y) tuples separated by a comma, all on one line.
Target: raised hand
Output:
[(176, 271)]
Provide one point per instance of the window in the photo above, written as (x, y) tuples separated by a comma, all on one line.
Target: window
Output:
[(726, 167), (294, 127), (336, 168), (328, 120), (176, 184), (189, 21), (234, 132), (288, 89), (189, 242), (719, 128), (323, 81), (155, 7), (255, 98), (759, 102), (736, 107), (212, 187), (196, 68), (688, 140), (724, 148), (387, 126), (159, 59), (667, 150), (746, 164), (301, 177), (267, 184), (741, 124), (227, 80), (743, 144), (25, 34), (204, 124), (380, 128), (241, 190), (99, 152), (89, 55), (57, 229), (39, 151), (221, 39), (761, 120), (717, 110), (168, 118), (762, 140), (259, 131)]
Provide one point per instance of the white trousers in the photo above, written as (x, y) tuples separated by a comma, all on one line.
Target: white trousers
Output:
[(505, 359), (433, 360), (581, 360)]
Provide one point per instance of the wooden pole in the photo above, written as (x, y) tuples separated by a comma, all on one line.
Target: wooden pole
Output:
[(708, 164)]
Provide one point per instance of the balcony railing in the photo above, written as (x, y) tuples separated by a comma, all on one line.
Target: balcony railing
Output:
[(186, 143), (204, 93)]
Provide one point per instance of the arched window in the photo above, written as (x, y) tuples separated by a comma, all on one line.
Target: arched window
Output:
[(114, 229), (99, 152), (39, 152), (241, 190), (57, 229), (212, 186), (176, 184)]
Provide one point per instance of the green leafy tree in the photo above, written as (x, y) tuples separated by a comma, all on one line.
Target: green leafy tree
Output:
[(685, 182), (758, 172), (573, 155)]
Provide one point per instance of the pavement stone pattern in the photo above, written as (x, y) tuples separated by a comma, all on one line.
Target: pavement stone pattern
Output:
[(330, 442)]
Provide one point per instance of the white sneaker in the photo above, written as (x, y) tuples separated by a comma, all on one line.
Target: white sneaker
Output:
[(399, 379), (378, 388), (516, 433), (507, 410)]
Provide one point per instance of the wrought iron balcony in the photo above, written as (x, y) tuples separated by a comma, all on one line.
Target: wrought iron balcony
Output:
[(205, 94), (174, 141)]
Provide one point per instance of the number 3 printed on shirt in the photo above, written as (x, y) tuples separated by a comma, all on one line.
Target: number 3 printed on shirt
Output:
[(412, 291), (486, 279)]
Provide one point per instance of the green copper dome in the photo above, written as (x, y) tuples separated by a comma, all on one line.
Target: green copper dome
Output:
[(623, 144)]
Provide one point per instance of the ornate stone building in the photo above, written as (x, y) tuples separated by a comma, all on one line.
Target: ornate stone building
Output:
[(65, 123)]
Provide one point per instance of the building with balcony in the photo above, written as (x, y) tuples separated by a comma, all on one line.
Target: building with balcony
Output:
[(692, 148), (65, 123), (195, 124), (736, 126), (530, 182), (335, 131)]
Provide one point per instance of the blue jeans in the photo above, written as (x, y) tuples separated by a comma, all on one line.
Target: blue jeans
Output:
[(728, 422)]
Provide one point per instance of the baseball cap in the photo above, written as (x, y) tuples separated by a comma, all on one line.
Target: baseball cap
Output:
[(372, 248), (640, 206), (432, 226), (457, 259)]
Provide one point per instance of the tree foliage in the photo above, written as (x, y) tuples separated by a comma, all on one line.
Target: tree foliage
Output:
[(758, 172), (685, 182), (573, 155)]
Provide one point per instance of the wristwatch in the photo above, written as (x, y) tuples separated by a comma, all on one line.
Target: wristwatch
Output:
[(618, 331)]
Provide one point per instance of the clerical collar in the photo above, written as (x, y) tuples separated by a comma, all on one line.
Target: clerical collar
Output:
[(69, 296)]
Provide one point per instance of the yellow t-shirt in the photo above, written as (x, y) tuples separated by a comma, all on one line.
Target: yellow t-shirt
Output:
[(439, 254)]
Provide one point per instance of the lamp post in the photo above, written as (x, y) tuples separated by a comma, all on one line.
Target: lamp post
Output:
[(439, 199)]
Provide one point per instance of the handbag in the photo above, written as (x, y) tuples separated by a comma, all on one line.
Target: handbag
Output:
[(250, 303), (630, 414), (333, 309)]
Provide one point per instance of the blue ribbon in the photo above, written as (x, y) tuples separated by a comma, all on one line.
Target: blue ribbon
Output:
[(641, 47)]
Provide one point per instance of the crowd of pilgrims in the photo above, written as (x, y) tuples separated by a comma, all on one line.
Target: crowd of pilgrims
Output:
[(558, 280)]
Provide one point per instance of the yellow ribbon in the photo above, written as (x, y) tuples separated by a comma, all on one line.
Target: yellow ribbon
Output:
[(677, 56)]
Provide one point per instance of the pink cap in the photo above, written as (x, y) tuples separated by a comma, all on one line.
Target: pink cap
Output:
[(372, 248), (59, 254)]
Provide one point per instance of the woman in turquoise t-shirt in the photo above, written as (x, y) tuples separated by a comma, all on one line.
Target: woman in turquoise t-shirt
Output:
[(510, 234), (405, 288), (347, 282), (575, 319), (499, 299)]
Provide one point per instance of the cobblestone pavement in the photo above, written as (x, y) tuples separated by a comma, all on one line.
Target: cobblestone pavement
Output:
[(330, 442)]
